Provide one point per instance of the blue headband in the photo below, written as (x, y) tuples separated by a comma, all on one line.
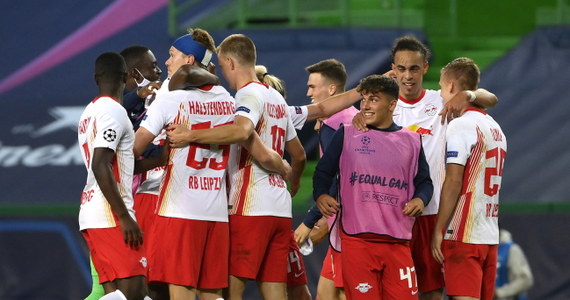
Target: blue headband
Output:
[(189, 46)]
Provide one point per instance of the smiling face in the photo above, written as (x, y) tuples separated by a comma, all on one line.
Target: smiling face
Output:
[(410, 67), (377, 109), (318, 87)]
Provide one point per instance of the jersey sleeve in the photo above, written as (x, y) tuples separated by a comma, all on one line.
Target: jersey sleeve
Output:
[(249, 106), (157, 116), (298, 115), (291, 133), (109, 132), (460, 136)]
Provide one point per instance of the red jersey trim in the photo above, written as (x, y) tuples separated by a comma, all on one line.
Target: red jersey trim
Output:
[(206, 87), (415, 100), (264, 84), (476, 110)]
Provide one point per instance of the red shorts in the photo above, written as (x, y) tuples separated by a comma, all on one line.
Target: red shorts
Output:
[(332, 267), (296, 274), (429, 271), (144, 206), (112, 257), (470, 269), (378, 270), (259, 247), (189, 252)]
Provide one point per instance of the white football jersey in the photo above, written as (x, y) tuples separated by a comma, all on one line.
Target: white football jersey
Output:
[(254, 191), (477, 142), (194, 185), (298, 115), (422, 116), (104, 124)]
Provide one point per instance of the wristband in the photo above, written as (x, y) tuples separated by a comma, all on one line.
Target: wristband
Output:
[(472, 96)]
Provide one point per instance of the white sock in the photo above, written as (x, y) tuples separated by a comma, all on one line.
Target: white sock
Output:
[(116, 295), (147, 298)]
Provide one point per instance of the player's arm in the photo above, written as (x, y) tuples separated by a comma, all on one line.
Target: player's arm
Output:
[(449, 196), (325, 172), (457, 105), (101, 167), (298, 159), (332, 105), (267, 157), (190, 76), (143, 138), (239, 131), (423, 188)]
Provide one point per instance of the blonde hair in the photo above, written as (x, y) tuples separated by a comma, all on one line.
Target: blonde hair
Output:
[(240, 47), (271, 80), (464, 71)]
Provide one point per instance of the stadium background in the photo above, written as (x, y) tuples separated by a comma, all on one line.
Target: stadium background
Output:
[(47, 54)]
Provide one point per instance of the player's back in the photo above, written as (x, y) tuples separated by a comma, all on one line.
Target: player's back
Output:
[(194, 184), (104, 124), (477, 141), (254, 191)]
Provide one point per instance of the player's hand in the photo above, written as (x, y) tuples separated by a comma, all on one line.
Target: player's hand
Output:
[(177, 135), (148, 89), (454, 108), (301, 233), (358, 122), (320, 231), (328, 205), (436, 241), (132, 234), (391, 73), (414, 208), (294, 185), (286, 171)]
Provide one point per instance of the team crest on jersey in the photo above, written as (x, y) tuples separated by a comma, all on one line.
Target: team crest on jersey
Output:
[(363, 287), (110, 135), (430, 110), (143, 262)]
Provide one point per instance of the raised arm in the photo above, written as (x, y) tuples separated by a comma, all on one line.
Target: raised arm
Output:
[(190, 76), (332, 105), (457, 105), (101, 166)]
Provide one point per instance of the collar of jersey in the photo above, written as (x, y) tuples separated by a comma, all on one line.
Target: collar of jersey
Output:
[(476, 110), (264, 84), (415, 100)]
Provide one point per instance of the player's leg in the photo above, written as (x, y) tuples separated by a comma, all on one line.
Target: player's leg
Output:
[(489, 273), (297, 288), (237, 287), (215, 260), (300, 292), (180, 292), (361, 270), (272, 277), (428, 270), (132, 287)]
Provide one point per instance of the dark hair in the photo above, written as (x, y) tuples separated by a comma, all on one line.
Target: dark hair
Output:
[(464, 71), (110, 67), (332, 70), (379, 84), (410, 43), (133, 54)]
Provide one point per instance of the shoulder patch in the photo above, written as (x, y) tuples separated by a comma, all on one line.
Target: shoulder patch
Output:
[(243, 108), (452, 154)]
